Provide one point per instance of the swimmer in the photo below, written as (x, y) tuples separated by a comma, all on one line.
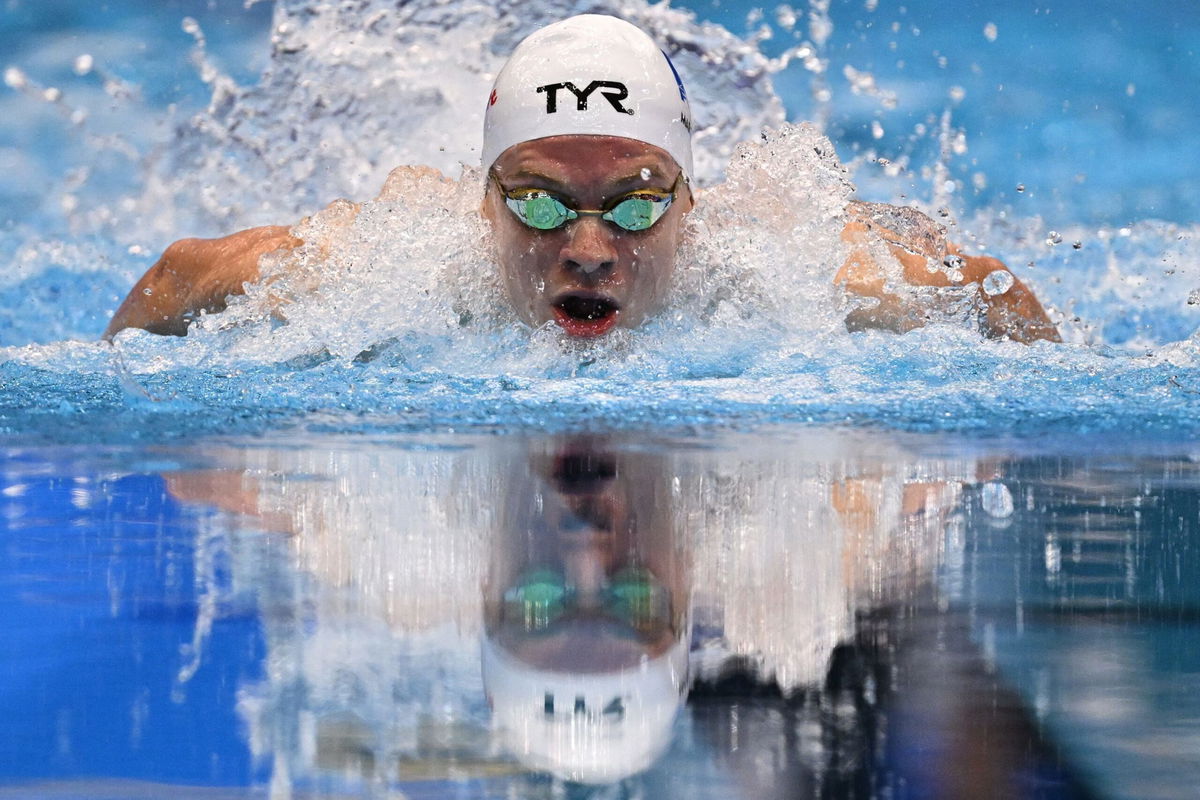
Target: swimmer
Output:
[(587, 146)]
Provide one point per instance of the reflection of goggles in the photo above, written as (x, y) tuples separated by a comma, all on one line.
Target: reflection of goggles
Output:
[(634, 596), (635, 211)]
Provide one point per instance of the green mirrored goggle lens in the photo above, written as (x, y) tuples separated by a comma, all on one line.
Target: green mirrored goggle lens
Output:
[(542, 596), (539, 210), (638, 213), (638, 598), (545, 212), (537, 600)]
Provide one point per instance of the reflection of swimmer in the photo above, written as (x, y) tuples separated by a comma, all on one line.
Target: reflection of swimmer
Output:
[(585, 654), (572, 569), (587, 143)]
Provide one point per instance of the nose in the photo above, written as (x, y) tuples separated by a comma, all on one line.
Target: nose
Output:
[(590, 247)]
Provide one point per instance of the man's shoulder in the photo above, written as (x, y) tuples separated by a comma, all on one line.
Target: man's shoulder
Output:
[(908, 228)]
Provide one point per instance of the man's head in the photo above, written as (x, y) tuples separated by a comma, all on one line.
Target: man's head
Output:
[(586, 610), (587, 142)]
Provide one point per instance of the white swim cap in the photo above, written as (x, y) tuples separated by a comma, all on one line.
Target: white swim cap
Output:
[(589, 74), (586, 727)]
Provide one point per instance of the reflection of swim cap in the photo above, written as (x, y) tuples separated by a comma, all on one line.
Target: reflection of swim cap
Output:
[(590, 74), (586, 727)]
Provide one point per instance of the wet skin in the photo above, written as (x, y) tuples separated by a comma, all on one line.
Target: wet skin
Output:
[(588, 276)]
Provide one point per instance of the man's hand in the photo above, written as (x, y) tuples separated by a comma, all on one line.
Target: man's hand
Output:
[(195, 275), (913, 240)]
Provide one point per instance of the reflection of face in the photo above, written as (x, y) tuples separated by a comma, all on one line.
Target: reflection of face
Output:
[(589, 275), (595, 523)]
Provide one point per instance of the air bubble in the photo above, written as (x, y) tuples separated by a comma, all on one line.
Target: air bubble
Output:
[(1053, 238), (14, 78), (1078, 245), (997, 500), (1020, 187), (147, 291), (84, 63), (997, 282), (1194, 298), (876, 129), (645, 173), (989, 31)]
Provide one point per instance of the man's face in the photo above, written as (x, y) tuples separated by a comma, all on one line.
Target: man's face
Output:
[(588, 276)]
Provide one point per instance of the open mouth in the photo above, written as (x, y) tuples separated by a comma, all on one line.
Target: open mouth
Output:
[(586, 315), (584, 472)]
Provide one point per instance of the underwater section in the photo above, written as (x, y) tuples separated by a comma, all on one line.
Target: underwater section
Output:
[(792, 612)]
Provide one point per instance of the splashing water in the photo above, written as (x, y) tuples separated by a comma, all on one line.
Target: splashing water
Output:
[(394, 313)]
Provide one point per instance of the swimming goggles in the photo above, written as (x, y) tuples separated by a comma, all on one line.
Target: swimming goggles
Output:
[(633, 596), (635, 211)]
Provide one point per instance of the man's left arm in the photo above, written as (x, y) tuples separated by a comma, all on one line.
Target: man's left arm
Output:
[(912, 239)]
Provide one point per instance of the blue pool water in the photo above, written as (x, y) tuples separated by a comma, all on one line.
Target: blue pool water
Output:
[(251, 558)]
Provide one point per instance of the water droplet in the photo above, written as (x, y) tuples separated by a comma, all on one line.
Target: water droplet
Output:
[(1020, 187), (997, 282), (785, 15), (645, 173), (997, 500), (952, 267), (989, 31), (14, 78)]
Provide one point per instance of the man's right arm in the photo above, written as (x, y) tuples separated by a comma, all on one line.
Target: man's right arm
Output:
[(195, 275)]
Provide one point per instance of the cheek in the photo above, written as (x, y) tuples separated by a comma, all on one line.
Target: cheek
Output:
[(519, 254), (524, 264), (654, 260)]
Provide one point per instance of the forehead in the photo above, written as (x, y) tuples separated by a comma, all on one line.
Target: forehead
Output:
[(581, 160)]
